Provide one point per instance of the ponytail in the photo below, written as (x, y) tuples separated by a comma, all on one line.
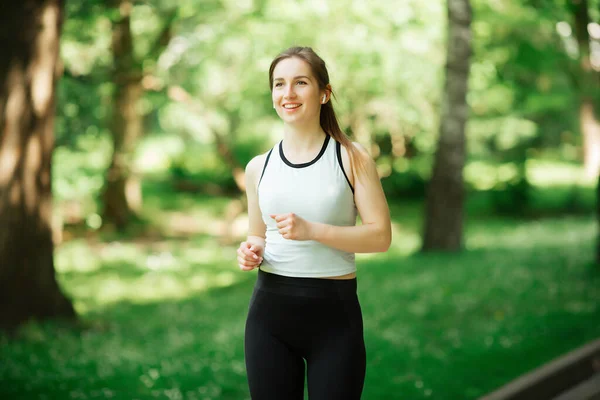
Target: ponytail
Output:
[(330, 125)]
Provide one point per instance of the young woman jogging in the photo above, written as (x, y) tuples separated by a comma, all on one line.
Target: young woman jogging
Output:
[(304, 195)]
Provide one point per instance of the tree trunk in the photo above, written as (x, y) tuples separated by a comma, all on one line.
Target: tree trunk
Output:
[(589, 85), (598, 206), (445, 194), (122, 191), (598, 221), (590, 129), (29, 38)]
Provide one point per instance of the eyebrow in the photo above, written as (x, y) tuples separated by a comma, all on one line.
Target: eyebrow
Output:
[(296, 77)]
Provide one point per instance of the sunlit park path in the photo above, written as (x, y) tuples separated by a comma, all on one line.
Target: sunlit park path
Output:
[(166, 311)]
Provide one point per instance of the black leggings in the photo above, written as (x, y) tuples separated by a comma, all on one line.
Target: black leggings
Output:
[(291, 320)]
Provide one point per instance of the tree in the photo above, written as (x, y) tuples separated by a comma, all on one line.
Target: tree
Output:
[(445, 194), (29, 68), (596, 78), (589, 85), (122, 195), (598, 220)]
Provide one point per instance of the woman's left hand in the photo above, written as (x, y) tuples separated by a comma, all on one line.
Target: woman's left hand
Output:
[(293, 227)]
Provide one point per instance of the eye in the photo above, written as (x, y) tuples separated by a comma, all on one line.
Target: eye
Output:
[(278, 84), (301, 83)]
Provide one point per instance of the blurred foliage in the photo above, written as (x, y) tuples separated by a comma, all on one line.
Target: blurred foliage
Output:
[(210, 84)]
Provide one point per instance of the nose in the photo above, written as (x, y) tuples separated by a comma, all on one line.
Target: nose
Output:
[(289, 91)]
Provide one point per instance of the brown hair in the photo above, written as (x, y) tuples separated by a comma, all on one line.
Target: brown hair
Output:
[(328, 120)]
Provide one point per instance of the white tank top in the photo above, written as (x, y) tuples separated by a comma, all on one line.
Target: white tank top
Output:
[(318, 191)]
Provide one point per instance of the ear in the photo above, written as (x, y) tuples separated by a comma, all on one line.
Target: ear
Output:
[(327, 93)]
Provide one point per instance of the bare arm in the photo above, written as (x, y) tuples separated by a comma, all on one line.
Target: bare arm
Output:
[(256, 225), (375, 233), (251, 251)]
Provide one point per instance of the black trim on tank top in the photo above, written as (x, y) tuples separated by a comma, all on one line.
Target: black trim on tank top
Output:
[(264, 168), (307, 164), (338, 152)]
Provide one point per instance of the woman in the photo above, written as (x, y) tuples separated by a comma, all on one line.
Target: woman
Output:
[(303, 198)]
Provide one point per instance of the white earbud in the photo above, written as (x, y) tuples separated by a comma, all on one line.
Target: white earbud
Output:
[(324, 98)]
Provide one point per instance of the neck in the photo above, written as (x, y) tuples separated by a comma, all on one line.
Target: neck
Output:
[(303, 138)]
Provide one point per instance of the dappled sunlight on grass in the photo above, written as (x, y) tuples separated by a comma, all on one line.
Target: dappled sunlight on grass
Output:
[(188, 223), (98, 274), (166, 312), (549, 173), (559, 232), (183, 214), (485, 231), (475, 313), (150, 287), (484, 175)]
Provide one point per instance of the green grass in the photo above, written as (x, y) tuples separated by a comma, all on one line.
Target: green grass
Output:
[(166, 313)]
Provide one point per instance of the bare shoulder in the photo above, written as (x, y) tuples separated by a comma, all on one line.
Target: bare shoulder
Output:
[(254, 168), (349, 167), (362, 152), (256, 163)]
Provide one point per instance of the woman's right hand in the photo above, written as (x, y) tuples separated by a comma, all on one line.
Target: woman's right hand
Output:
[(249, 256)]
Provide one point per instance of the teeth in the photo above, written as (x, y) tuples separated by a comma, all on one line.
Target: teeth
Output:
[(291, 106)]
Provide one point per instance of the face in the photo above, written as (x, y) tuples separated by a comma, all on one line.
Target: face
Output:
[(295, 92)]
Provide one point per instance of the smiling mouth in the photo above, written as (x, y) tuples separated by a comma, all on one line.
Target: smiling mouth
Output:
[(291, 106)]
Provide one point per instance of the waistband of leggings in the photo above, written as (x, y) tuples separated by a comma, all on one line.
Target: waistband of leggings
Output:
[(306, 287)]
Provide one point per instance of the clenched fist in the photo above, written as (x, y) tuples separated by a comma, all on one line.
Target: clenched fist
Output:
[(249, 256), (293, 227)]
